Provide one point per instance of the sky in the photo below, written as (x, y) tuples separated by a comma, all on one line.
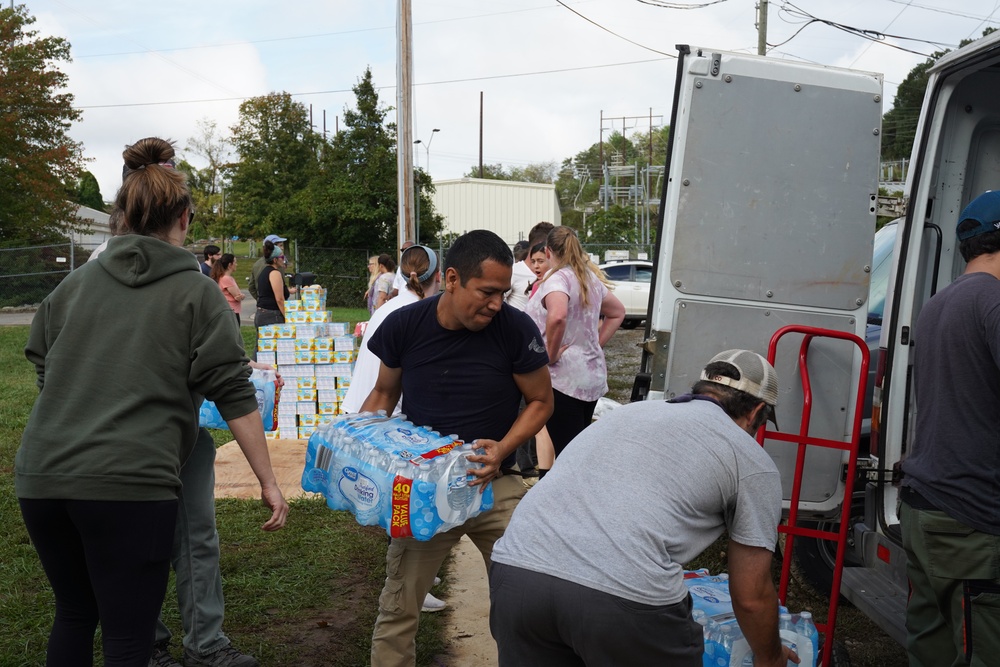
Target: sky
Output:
[(546, 69)]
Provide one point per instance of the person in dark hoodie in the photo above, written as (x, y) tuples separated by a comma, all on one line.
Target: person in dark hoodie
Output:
[(96, 475)]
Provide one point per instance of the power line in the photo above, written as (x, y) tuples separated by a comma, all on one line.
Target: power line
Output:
[(643, 46), (864, 33), (680, 5), (347, 90), (988, 19)]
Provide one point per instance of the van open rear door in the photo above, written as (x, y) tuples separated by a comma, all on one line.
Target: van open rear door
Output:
[(767, 219)]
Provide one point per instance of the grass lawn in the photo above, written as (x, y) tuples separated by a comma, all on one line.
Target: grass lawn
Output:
[(306, 595)]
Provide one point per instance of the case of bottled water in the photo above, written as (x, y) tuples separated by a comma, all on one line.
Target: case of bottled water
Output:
[(725, 645), (408, 479), (265, 386)]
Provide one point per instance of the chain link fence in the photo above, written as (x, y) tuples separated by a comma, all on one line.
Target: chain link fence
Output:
[(342, 271), (28, 274)]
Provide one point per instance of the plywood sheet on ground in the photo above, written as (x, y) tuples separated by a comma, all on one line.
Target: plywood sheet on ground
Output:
[(235, 479)]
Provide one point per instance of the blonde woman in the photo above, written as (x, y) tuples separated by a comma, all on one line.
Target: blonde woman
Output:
[(373, 273), (568, 308), (382, 286)]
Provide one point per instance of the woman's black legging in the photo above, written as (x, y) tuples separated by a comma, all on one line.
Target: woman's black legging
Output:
[(569, 417), (108, 563)]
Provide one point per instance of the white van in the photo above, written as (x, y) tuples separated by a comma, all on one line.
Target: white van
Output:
[(768, 219)]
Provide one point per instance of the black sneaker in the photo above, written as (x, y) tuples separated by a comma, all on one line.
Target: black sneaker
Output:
[(161, 656), (224, 657)]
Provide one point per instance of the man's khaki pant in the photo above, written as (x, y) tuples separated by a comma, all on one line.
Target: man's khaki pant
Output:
[(953, 615), (412, 565)]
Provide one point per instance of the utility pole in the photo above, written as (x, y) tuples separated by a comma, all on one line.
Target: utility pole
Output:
[(404, 125), (761, 27), (480, 134)]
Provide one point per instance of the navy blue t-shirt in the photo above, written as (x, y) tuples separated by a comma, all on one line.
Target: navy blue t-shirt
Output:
[(460, 382)]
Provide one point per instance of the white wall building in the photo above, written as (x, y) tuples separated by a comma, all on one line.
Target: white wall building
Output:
[(509, 208), (91, 227)]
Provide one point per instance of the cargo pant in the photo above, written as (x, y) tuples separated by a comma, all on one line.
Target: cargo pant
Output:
[(195, 556), (953, 614), (411, 566)]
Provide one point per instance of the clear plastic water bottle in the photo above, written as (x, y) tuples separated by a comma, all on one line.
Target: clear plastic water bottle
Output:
[(724, 649), (807, 630), (786, 628), (710, 630)]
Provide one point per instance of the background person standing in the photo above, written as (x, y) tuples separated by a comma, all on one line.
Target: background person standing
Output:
[(222, 273), (261, 262), (950, 510), (97, 473), (577, 314), (211, 255)]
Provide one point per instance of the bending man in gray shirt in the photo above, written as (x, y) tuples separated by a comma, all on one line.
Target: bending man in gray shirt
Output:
[(590, 569)]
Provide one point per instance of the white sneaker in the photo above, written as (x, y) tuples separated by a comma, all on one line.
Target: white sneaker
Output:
[(437, 580), (432, 604)]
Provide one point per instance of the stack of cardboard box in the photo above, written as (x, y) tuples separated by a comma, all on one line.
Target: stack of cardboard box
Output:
[(315, 358)]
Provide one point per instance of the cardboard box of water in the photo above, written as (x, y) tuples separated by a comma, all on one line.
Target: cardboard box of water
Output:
[(389, 472)]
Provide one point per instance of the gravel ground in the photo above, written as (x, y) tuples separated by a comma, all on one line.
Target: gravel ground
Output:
[(866, 644)]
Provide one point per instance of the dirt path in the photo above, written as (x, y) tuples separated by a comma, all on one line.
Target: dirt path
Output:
[(468, 621)]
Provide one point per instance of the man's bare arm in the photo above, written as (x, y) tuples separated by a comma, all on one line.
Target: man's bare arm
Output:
[(386, 392), (755, 603)]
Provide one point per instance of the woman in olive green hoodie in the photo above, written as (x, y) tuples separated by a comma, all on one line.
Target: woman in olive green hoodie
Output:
[(125, 349)]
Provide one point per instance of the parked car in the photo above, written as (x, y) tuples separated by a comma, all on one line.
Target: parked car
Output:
[(631, 280)]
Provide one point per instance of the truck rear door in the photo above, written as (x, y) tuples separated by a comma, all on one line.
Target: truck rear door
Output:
[(767, 219)]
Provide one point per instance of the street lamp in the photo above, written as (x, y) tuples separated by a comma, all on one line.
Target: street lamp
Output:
[(427, 147)]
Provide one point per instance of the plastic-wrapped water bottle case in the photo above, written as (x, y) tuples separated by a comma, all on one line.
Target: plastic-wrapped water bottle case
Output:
[(265, 385), (725, 645), (408, 479)]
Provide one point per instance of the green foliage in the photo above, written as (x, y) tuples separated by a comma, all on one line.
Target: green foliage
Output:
[(537, 172), (207, 184), (579, 178), (37, 157), (88, 192), (614, 226), (353, 199), (899, 124), (278, 157)]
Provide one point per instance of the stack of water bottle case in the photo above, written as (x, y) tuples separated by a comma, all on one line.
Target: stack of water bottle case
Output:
[(315, 358), (725, 645)]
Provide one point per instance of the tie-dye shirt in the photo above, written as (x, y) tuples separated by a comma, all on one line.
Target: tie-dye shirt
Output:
[(580, 372)]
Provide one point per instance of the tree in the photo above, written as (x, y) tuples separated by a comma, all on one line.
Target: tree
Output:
[(353, 200), (88, 192), (494, 172), (279, 156), (899, 124), (207, 183), (206, 222), (615, 226), (37, 158), (536, 172)]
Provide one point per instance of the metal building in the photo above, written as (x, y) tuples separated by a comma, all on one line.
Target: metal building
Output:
[(509, 208)]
